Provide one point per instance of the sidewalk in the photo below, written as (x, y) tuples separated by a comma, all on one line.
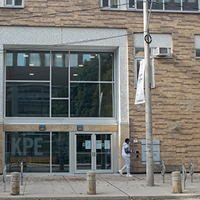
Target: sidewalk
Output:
[(108, 186)]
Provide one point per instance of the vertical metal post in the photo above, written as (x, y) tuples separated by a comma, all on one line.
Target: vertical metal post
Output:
[(191, 170), (148, 110), (22, 173), (163, 171), (184, 174), (4, 177)]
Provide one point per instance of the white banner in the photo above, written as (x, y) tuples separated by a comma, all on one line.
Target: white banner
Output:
[(139, 98)]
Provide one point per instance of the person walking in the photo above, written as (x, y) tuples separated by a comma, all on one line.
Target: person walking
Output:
[(126, 155)]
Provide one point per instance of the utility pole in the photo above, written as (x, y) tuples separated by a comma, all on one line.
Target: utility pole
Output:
[(148, 110)]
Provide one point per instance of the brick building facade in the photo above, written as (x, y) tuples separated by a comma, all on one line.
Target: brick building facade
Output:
[(110, 31)]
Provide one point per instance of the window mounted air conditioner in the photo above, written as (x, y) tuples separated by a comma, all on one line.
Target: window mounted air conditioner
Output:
[(162, 51)]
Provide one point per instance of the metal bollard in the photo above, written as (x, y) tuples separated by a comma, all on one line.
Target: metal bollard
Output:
[(22, 173), (91, 182), (163, 171), (176, 182), (191, 170), (15, 183), (184, 174)]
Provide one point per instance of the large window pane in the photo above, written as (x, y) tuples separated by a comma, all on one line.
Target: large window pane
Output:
[(59, 108), (172, 4), (84, 100), (60, 152), (106, 66), (32, 148), (27, 66), (84, 67), (27, 99), (60, 74)]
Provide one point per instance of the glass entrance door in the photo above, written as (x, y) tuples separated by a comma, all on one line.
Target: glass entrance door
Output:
[(93, 152)]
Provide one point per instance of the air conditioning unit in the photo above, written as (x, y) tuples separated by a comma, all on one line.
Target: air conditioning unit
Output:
[(162, 51)]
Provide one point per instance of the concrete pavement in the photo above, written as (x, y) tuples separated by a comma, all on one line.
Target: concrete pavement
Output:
[(108, 186)]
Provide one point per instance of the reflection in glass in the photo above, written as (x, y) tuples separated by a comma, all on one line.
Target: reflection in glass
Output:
[(157, 5), (21, 59), (34, 60), (60, 74), (103, 151), (106, 66), (9, 59), (18, 2), (83, 152), (105, 3), (139, 4), (113, 3), (28, 66), (8, 2), (106, 100), (27, 99), (190, 5), (60, 151), (59, 108), (84, 67), (131, 3), (32, 148), (172, 4), (197, 52), (84, 100)]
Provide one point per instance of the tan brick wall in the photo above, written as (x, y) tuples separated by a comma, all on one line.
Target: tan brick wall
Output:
[(175, 98)]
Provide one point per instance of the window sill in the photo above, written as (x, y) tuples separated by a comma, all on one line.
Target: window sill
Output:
[(158, 11), (12, 7)]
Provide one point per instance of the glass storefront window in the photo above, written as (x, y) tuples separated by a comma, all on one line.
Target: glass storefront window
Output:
[(60, 152), (83, 82), (31, 148)]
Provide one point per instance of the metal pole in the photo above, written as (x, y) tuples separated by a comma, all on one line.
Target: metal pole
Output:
[(4, 177), (149, 137), (22, 176)]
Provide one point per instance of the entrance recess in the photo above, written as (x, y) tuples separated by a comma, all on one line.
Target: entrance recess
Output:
[(93, 152)]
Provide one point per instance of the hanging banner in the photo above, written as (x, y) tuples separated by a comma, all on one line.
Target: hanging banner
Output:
[(139, 98)]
